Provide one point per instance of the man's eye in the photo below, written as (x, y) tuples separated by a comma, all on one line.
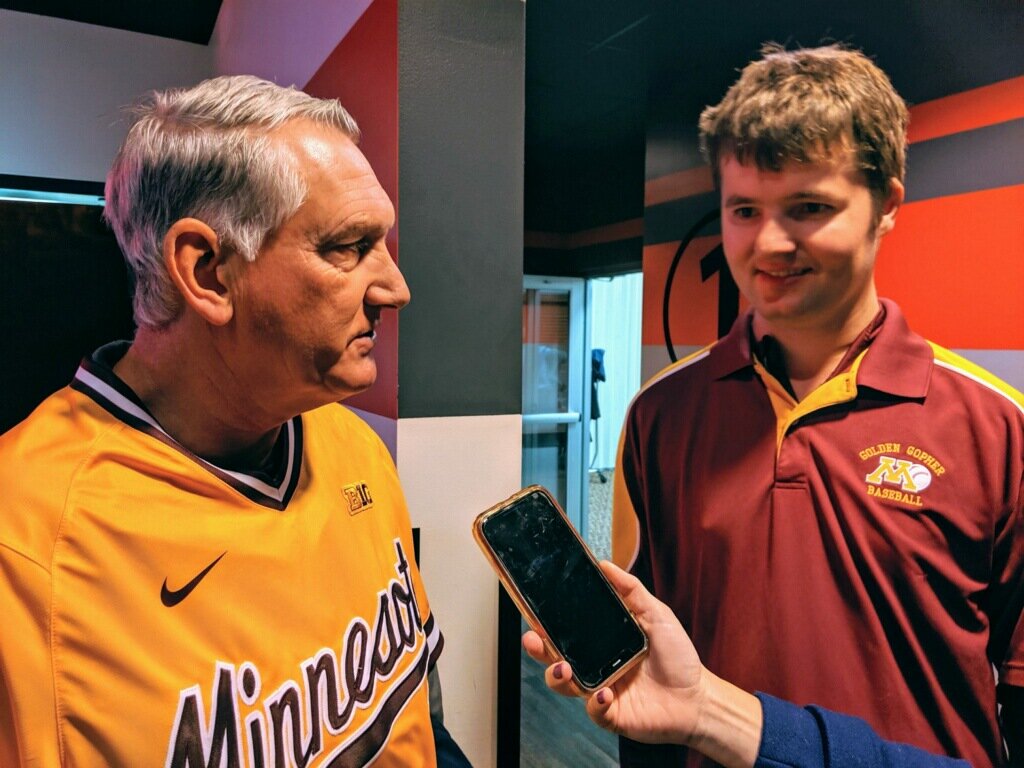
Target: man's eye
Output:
[(811, 208), (744, 212), (359, 246)]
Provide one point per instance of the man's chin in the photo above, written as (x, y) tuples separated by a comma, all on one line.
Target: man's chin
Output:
[(783, 308), (349, 385)]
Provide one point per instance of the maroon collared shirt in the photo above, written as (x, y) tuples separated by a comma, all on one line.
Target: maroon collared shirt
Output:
[(862, 549)]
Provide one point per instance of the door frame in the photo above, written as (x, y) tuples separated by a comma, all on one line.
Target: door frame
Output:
[(577, 414)]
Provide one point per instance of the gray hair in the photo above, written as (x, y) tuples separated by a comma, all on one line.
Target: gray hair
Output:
[(204, 152)]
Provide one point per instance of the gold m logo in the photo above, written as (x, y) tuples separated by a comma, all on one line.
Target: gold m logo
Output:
[(358, 497), (907, 475)]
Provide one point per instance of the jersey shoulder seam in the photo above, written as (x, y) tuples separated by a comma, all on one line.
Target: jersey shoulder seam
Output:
[(960, 365), (670, 370)]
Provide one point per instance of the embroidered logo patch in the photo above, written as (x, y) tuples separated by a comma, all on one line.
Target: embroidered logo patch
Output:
[(358, 497), (901, 473)]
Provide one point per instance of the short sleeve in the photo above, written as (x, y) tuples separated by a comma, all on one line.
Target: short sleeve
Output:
[(625, 520)]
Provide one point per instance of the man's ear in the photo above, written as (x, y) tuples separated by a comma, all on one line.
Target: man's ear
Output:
[(890, 206), (192, 255)]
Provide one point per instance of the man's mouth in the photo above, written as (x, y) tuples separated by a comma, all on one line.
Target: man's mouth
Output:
[(784, 273), (370, 334)]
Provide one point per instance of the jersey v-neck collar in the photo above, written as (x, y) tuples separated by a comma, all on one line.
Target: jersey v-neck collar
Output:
[(96, 379)]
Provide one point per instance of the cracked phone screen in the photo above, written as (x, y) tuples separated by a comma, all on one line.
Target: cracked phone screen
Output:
[(577, 608)]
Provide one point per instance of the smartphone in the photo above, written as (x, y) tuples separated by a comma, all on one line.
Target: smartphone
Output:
[(554, 580)]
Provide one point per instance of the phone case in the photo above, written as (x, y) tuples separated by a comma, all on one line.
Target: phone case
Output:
[(517, 597)]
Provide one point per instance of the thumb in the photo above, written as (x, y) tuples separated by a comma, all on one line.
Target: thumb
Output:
[(630, 589)]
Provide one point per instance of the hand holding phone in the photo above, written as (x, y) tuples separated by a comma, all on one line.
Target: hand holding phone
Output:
[(557, 585)]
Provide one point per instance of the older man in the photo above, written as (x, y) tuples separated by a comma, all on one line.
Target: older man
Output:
[(204, 560)]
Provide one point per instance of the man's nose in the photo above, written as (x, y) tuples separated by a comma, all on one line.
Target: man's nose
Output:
[(774, 237), (389, 288)]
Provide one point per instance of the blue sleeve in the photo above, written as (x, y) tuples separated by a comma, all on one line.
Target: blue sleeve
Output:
[(447, 752), (813, 737)]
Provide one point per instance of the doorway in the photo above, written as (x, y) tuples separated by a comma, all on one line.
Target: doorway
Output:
[(555, 403), (581, 368)]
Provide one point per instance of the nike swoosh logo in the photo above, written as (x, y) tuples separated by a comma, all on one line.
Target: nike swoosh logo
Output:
[(171, 598)]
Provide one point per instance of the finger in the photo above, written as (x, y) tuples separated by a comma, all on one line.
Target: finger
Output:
[(599, 708), (559, 679), (537, 649)]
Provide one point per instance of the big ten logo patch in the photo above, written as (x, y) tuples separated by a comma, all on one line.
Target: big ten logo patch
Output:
[(900, 479), (358, 497)]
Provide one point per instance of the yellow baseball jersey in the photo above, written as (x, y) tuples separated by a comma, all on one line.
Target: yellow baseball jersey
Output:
[(156, 610)]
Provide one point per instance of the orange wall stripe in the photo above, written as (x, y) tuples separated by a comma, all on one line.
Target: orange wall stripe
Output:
[(694, 314), (692, 181), (976, 108), (956, 266), (609, 233), (965, 111)]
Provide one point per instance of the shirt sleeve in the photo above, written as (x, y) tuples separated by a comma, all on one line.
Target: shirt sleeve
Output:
[(1007, 612), (813, 737), (28, 728), (630, 547), (625, 520)]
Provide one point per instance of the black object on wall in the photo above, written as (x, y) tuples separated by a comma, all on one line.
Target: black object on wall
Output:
[(63, 292), (188, 20)]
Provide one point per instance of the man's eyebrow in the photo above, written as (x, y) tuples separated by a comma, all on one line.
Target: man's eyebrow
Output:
[(732, 200), (803, 194), (352, 230), (816, 194)]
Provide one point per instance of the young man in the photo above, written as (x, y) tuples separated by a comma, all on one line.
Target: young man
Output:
[(203, 559), (831, 505)]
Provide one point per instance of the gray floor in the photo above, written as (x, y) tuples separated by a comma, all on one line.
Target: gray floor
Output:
[(556, 732), (599, 524)]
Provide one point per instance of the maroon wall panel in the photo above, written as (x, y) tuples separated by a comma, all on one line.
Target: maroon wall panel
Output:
[(362, 73)]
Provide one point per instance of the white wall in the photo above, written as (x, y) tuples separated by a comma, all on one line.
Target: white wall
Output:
[(280, 40), (452, 469), (64, 84), (616, 310)]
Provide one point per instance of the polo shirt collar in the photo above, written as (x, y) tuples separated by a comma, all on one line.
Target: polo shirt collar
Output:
[(898, 361), (732, 353)]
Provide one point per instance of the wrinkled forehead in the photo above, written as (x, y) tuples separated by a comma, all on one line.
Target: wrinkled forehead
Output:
[(341, 186), (311, 147)]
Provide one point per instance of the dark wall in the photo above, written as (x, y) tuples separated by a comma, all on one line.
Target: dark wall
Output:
[(616, 257), (460, 74), (63, 292)]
